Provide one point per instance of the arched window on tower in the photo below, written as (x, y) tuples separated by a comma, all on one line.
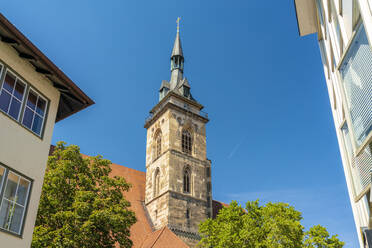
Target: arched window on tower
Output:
[(157, 182), (158, 144), (186, 142), (186, 180)]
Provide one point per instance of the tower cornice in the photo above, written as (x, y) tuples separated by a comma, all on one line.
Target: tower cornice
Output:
[(169, 95), (166, 103)]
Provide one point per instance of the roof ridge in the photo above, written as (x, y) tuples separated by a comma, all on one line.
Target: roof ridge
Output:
[(157, 238)]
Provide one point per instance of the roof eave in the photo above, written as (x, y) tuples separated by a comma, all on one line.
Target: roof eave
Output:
[(306, 16), (71, 87)]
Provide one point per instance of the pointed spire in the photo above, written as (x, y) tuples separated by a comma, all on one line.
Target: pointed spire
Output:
[(177, 48)]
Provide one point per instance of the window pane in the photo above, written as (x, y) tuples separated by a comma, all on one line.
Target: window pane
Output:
[(27, 117), (22, 191), (31, 101), (320, 11), (2, 172), (11, 186), (15, 224), (356, 75), (41, 106), (36, 126), (5, 213), (19, 90), (15, 107), (4, 101), (9, 82)]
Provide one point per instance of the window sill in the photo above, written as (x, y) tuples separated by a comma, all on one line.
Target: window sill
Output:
[(11, 233)]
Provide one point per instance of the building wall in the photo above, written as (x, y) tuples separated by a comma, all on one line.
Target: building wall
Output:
[(357, 160), (22, 150)]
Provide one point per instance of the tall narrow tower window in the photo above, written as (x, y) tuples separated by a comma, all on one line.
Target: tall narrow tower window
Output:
[(186, 142), (157, 182), (158, 144), (186, 180)]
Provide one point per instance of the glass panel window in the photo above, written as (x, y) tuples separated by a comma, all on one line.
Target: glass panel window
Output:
[(2, 174), (13, 203), (356, 75), (337, 29), (12, 94), (34, 114), (320, 11)]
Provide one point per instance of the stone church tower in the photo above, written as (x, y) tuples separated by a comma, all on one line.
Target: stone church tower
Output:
[(178, 173)]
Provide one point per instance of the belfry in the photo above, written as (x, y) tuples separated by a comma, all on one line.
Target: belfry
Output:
[(178, 173)]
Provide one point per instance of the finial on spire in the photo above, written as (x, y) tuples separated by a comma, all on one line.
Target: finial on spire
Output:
[(178, 24)]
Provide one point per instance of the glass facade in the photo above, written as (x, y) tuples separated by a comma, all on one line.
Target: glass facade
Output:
[(356, 75)]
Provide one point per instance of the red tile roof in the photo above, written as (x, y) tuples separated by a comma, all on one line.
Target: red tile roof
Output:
[(136, 196), (216, 207), (163, 238)]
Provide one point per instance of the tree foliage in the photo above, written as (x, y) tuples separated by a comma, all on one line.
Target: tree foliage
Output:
[(274, 225), (318, 237), (80, 205)]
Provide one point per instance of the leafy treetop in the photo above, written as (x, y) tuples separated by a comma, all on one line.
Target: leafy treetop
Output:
[(80, 204)]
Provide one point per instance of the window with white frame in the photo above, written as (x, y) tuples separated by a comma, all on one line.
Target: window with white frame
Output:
[(356, 77), (21, 102), (320, 11), (12, 95), (34, 113), (337, 29), (15, 191)]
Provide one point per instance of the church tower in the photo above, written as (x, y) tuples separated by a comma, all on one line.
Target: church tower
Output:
[(178, 173)]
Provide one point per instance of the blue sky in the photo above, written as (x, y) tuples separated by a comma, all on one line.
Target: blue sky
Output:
[(271, 134)]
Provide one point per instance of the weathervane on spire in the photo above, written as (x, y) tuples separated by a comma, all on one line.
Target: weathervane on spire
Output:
[(178, 24)]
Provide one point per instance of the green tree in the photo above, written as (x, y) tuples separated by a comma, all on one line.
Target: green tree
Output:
[(80, 205), (274, 225), (318, 237)]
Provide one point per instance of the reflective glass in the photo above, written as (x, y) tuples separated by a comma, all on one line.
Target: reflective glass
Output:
[(5, 213), (40, 107), (31, 101), (356, 75), (9, 82), (320, 10), (11, 186), (4, 101), (2, 172), (19, 90), (27, 118), (22, 191), (15, 107), (36, 126), (15, 224)]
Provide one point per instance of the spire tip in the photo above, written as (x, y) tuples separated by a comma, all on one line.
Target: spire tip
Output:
[(178, 24)]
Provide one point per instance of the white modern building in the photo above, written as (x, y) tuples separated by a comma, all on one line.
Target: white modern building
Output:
[(34, 94), (344, 30)]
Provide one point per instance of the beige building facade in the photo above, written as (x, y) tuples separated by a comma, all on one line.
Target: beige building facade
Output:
[(178, 173), (34, 94)]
